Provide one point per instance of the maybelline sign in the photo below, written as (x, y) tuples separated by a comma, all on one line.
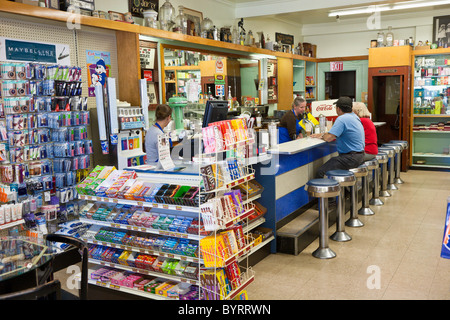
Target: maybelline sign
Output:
[(31, 51)]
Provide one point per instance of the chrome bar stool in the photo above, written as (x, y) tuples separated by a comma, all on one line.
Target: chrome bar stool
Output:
[(353, 221), (323, 189), (382, 159), (365, 210), (391, 155), (398, 150), (398, 166), (346, 179), (384, 172)]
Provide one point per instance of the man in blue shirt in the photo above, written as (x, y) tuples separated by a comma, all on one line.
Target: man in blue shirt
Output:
[(349, 134)]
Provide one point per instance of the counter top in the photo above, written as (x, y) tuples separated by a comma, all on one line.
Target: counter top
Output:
[(296, 146)]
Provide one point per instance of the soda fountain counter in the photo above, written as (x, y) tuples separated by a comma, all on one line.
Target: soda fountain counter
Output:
[(283, 177)]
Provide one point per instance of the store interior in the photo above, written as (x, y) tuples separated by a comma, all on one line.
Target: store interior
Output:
[(225, 212)]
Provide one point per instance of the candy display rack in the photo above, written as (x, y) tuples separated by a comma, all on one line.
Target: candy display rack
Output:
[(158, 251)]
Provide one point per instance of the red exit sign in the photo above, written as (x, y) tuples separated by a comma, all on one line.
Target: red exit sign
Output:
[(336, 66)]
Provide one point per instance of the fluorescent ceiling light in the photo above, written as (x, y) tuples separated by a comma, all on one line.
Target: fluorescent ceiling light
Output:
[(387, 7)]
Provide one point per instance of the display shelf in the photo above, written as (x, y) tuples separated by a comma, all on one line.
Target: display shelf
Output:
[(145, 251), (430, 105), (431, 155), (132, 291), (246, 279), (141, 203), (248, 210), (257, 247), (431, 115), (430, 131), (253, 224), (144, 271), (219, 220), (143, 229), (12, 224), (416, 165)]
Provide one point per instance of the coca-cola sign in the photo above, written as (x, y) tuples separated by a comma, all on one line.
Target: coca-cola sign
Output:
[(325, 107)]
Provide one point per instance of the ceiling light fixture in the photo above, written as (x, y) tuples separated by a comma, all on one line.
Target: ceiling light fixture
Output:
[(387, 7)]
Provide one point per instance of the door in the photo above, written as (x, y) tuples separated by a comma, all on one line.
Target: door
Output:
[(389, 102)]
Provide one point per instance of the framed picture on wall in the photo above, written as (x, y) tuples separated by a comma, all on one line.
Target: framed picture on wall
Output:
[(441, 31), (195, 19)]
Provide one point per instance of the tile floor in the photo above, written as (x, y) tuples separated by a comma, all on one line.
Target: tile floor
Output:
[(395, 256)]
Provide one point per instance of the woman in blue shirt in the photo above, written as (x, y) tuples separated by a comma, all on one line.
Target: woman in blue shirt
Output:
[(290, 128), (163, 116)]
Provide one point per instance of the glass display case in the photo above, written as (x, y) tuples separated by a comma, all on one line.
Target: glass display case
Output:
[(431, 111)]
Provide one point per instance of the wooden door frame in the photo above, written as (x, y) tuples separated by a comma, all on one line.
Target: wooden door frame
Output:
[(405, 106)]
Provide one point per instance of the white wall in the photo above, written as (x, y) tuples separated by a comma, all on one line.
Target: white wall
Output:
[(351, 37)]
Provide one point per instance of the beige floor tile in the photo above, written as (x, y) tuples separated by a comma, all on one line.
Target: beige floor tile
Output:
[(395, 256)]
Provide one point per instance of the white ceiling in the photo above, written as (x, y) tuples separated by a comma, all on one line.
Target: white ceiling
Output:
[(310, 11)]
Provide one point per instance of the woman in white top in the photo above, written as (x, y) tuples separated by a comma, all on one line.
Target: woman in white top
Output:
[(163, 116)]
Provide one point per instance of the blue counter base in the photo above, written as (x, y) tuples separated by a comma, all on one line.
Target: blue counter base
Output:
[(284, 180)]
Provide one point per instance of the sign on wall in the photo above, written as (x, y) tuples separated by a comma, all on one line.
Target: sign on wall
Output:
[(137, 7), (325, 107), (98, 65), (32, 51), (336, 66)]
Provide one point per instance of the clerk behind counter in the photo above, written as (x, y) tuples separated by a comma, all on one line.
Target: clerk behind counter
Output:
[(292, 124), (163, 115)]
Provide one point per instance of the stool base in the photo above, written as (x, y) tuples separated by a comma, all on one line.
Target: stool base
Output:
[(340, 236), (324, 253), (366, 212), (385, 194), (392, 187), (354, 223), (376, 202), (398, 181)]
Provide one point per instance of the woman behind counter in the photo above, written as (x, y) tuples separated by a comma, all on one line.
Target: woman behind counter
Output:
[(163, 115), (289, 128), (370, 133)]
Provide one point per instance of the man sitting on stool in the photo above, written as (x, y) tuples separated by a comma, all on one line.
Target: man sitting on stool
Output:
[(349, 134)]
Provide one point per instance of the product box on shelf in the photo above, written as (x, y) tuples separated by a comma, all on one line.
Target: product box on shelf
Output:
[(79, 4), (95, 178)]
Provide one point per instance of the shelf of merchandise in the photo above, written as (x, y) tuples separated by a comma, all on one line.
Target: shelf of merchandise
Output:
[(299, 77), (303, 70), (12, 224), (431, 83), (310, 87), (132, 291), (185, 179)]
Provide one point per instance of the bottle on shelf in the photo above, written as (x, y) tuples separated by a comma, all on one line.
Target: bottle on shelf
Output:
[(210, 96), (230, 99), (389, 37), (381, 41)]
